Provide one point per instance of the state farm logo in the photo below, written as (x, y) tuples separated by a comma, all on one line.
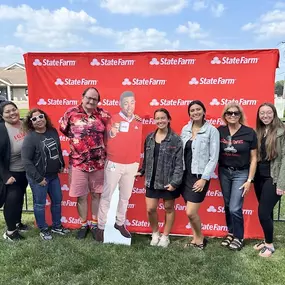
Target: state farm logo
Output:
[(177, 207), (214, 193), (235, 60), (68, 203), (221, 209), (63, 138), (240, 101), (144, 82), (170, 102), (75, 81), (140, 223), (70, 220), (65, 153), (150, 121), (54, 62), (217, 122), (172, 61), (131, 206), (212, 81), (57, 102), (188, 226), (64, 187), (138, 190), (112, 62), (47, 202), (109, 102)]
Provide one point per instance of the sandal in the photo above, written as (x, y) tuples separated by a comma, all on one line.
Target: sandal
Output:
[(202, 246), (269, 250), (189, 244), (227, 240), (236, 244), (259, 245)]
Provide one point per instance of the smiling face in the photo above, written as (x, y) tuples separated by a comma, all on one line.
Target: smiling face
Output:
[(232, 115), (161, 120), (11, 114), (196, 113), (38, 120), (266, 115), (90, 100), (128, 105)]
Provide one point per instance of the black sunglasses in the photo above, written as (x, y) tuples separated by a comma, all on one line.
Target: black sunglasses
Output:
[(34, 119), (230, 113)]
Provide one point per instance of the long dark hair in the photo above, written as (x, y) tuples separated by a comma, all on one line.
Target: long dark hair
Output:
[(28, 125), (197, 102), (165, 112), (2, 107), (270, 141)]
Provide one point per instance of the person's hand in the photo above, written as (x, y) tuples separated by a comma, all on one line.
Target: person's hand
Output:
[(114, 129), (43, 183), (10, 181), (280, 192), (245, 187), (199, 185), (169, 187), (138, 118)]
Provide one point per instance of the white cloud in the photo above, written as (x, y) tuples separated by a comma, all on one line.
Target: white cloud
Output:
[(54, 29), (144, 7), (218, 9), (208, 43), (269, 25), (193, 30), (150, 39), (199, 5), (10, 54)]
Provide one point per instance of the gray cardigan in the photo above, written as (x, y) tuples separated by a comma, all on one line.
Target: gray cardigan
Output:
[(205, 149)]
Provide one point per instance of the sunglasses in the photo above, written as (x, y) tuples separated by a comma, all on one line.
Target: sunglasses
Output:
[(230, 113), (34, 119)]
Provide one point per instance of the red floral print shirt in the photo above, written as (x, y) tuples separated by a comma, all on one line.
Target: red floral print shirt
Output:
[(86, 137)]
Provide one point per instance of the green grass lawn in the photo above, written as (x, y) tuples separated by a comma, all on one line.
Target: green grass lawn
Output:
[(66, 260)]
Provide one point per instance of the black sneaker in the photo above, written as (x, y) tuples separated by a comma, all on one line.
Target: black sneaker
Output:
[(93, 230), (15, 236), (22, 227), (46, 234), (82, 232), (60, 230)]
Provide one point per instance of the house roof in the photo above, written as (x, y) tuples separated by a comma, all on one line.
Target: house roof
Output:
[(14, 74)]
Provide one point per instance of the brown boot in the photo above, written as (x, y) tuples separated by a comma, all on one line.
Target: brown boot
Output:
[(124, 232), (99, 235)]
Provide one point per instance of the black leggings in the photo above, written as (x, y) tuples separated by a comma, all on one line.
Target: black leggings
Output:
[(266, 195), (14, 200)]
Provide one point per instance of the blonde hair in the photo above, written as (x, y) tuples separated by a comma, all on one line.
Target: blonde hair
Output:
[(242, 119)]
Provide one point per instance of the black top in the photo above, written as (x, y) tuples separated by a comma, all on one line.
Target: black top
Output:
[(188, 155), (155, 160), (235, 150), (263, 151), (263, 167)]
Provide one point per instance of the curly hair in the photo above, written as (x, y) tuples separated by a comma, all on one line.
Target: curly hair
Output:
[(28, 124)]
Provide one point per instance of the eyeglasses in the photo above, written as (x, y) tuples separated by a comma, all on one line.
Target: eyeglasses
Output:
[(231, 113), (266, 113), (90, 98), (34, 119)]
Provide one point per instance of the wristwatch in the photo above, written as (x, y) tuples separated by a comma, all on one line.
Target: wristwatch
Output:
[(250, 180)]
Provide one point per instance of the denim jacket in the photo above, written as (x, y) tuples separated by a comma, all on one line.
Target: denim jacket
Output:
[(205, 149), (170, 161)]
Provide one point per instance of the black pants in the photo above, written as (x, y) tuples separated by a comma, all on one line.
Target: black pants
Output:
[(14, 200), (266, 195)]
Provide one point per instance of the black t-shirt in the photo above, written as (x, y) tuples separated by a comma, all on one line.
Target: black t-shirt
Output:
[(235, 150), (188, 155), (263, 167), (51, 150), (155, 160)]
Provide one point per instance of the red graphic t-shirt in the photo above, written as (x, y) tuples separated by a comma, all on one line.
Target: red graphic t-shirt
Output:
[(86, 134)]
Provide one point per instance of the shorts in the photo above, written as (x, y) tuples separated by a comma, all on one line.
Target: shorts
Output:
[(84, 182), (162, 194), (187, 188)]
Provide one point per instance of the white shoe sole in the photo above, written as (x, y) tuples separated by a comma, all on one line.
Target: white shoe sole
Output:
[(7, 238)]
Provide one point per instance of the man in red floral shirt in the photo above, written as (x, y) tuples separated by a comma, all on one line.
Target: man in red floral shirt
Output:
[(85, 126)]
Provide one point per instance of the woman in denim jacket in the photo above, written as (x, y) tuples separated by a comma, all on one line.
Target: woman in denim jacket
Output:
[(201, 153), (163, 170)]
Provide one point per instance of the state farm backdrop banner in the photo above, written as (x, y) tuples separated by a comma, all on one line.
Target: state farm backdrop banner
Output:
[(158, 79)]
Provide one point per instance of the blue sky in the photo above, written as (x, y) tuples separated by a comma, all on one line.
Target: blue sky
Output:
[(133, 25)]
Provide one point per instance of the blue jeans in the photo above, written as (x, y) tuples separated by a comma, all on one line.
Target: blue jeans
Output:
[(231, 181), (53, 189)]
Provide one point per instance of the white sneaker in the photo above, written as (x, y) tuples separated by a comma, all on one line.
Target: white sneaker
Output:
[(164, 241), (155, 239)]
